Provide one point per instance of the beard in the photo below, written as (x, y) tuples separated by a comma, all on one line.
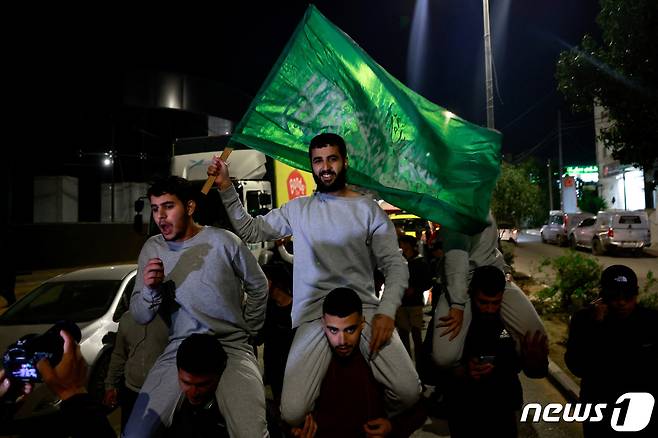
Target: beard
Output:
[(343, 353), (339, 182)]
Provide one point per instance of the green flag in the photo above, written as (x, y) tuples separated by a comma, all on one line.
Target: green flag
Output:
[(415, 154)]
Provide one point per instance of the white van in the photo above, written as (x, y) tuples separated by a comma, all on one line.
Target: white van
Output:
[(614, 229)]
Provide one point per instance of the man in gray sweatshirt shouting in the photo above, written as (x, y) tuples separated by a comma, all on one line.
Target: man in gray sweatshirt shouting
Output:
[(340, 237), (201, 280)]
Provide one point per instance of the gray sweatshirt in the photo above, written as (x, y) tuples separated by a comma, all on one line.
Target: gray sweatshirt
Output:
[(464, 253), (338, 242), (135, 351), (216, 281)]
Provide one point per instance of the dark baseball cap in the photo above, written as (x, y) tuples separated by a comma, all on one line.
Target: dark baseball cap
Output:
[(618, 280)]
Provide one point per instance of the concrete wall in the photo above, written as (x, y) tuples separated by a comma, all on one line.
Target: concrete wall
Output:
[(125, 195), (55, 199), (45, 246)]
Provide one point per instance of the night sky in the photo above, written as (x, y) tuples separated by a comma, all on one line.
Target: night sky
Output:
[(66, 67)]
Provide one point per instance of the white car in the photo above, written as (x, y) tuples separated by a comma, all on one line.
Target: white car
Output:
[(508, 232), (93, 299), (613, 230)]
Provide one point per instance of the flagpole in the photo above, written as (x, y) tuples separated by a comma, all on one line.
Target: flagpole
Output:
[(488, 65)]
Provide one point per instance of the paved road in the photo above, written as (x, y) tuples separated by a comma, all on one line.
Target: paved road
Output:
[(530, 252)]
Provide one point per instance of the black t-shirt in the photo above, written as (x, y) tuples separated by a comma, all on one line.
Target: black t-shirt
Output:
[(420, 280), (500, 388)]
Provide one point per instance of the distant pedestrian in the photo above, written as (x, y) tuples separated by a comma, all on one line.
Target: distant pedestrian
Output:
[(409, 317)]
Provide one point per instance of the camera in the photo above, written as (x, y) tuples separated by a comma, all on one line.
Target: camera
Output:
[(21, 358)]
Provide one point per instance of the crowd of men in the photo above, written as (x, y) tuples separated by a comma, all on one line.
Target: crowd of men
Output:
[(185, 359)]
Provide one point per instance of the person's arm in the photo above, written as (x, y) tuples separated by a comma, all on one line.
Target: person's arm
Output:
[(12, 395), (274, 225), (116, 368), (83, 416), (534, 355), (578, 355), (147, 298), (392, 265), (456, 263), (255, 286), (283, 252), (308, 430)]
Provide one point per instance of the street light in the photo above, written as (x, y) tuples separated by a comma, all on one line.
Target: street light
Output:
[(107, 162)]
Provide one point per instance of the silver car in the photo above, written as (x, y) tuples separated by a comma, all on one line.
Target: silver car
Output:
[(92, 298), (609, 230), (559, 226)]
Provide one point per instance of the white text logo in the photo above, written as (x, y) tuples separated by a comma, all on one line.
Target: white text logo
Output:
[(631, 412)]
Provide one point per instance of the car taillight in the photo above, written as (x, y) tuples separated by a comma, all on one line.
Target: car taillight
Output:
[(611, 232)]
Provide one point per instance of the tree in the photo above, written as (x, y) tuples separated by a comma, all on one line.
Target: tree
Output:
[(516, 197), (590, 202), (620, 74)]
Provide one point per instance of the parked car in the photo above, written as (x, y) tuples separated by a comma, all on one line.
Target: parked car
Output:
[(508, 232), (615, 229), (92, 298), (583, 234), (559, 226)]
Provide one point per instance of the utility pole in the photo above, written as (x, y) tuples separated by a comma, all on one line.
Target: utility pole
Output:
[(550, 186), (488, 65), (559, 151)]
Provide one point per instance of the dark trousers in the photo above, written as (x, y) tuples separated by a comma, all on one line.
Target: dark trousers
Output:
[(492, 421), (127, 398)]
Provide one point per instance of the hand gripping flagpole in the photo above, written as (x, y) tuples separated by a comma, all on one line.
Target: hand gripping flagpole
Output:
[(211, 178)]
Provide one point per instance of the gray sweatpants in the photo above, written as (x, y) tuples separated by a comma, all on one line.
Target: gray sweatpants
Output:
[(309, 358), (240, 395), (519, 317)]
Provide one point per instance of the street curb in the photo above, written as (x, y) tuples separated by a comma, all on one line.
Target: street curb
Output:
[(562, 381)]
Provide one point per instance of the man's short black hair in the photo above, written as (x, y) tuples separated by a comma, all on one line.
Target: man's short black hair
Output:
[(328, 139), (342, 302), (173, 185), (278, 275), (487, 279), (201, 354)]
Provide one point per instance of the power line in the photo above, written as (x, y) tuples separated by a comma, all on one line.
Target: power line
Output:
[(523, 155), (528, 110)]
